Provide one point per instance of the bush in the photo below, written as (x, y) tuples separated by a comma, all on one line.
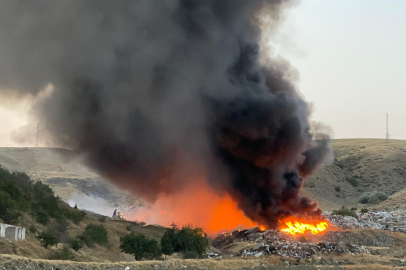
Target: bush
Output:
[(76, 244), (75, 215), (42, 216), (372, 198), (377, 197), (352, 182), (344, 212), (168, 241), (338, 189), (32, 229), (47, 239), (18, 193), (188, 238), (364, 210), (191, 255), (62, 254), (140, 246), (94, 234), (11, 216), (60, 229)]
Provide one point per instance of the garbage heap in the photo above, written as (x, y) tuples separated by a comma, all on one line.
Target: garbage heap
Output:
[(275, 242), (394, 221)]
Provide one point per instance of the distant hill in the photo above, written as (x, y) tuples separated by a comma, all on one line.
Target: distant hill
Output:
[(69, 179), (361, 165)]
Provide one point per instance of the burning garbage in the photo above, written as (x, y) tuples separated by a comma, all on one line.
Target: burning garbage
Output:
[(297, 226)]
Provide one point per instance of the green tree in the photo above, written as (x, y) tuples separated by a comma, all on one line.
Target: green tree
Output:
[(140, 246), (167, 242), (47, 239), (189, 238), (94, 234), (76, 244)]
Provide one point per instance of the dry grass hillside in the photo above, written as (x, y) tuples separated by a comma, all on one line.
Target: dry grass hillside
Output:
[(361, 165), (110, 253), (67, 176)]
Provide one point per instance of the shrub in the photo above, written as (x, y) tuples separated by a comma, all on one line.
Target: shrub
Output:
[(352, 182), (94, 234), (75, 215), (62, 254), (140, 246), (11, 216), (191, 255), (364, 198), (32, 229), (364, 210), (76, 244), (344, 212), (338, 189), (188, 238), (60, 229), (42, 216), (372, 198), (377, 197), (47, 239), (18, 193), (168, 241)]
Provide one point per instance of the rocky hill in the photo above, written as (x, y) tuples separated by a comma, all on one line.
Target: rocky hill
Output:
[(361, 165)]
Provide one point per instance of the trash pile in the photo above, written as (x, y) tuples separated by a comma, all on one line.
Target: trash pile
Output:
[(394, 221), (274, 242)]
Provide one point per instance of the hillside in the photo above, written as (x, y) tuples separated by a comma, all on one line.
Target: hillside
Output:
[(69, 179), (361, 165), (51, 223)]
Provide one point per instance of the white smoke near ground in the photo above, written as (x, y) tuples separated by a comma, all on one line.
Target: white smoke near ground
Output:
[(92, 203)]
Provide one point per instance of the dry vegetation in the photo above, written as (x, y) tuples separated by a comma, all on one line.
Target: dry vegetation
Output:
[(361, 165), (116, 229)]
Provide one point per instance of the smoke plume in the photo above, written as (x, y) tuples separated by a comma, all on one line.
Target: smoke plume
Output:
[(157, 93)]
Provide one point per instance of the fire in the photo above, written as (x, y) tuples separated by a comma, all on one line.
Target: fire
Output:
[(262, 228), (200, 205), (295, 226)]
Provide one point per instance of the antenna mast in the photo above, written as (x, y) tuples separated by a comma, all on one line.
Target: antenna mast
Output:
[(37, 134), (387, 127)]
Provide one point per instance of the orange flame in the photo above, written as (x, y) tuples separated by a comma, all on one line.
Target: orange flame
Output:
[(295, 226), (262, 228), (200, 205)]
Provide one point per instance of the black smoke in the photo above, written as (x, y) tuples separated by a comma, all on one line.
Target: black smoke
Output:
[(153, 92)]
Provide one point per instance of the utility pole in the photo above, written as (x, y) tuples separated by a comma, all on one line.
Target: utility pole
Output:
[(37, 134), (387, 127)]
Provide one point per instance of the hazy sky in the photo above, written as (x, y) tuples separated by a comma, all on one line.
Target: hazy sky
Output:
[(351, 56)]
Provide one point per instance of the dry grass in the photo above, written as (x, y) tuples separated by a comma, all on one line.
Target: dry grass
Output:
[(376, 165), (173, 264)]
